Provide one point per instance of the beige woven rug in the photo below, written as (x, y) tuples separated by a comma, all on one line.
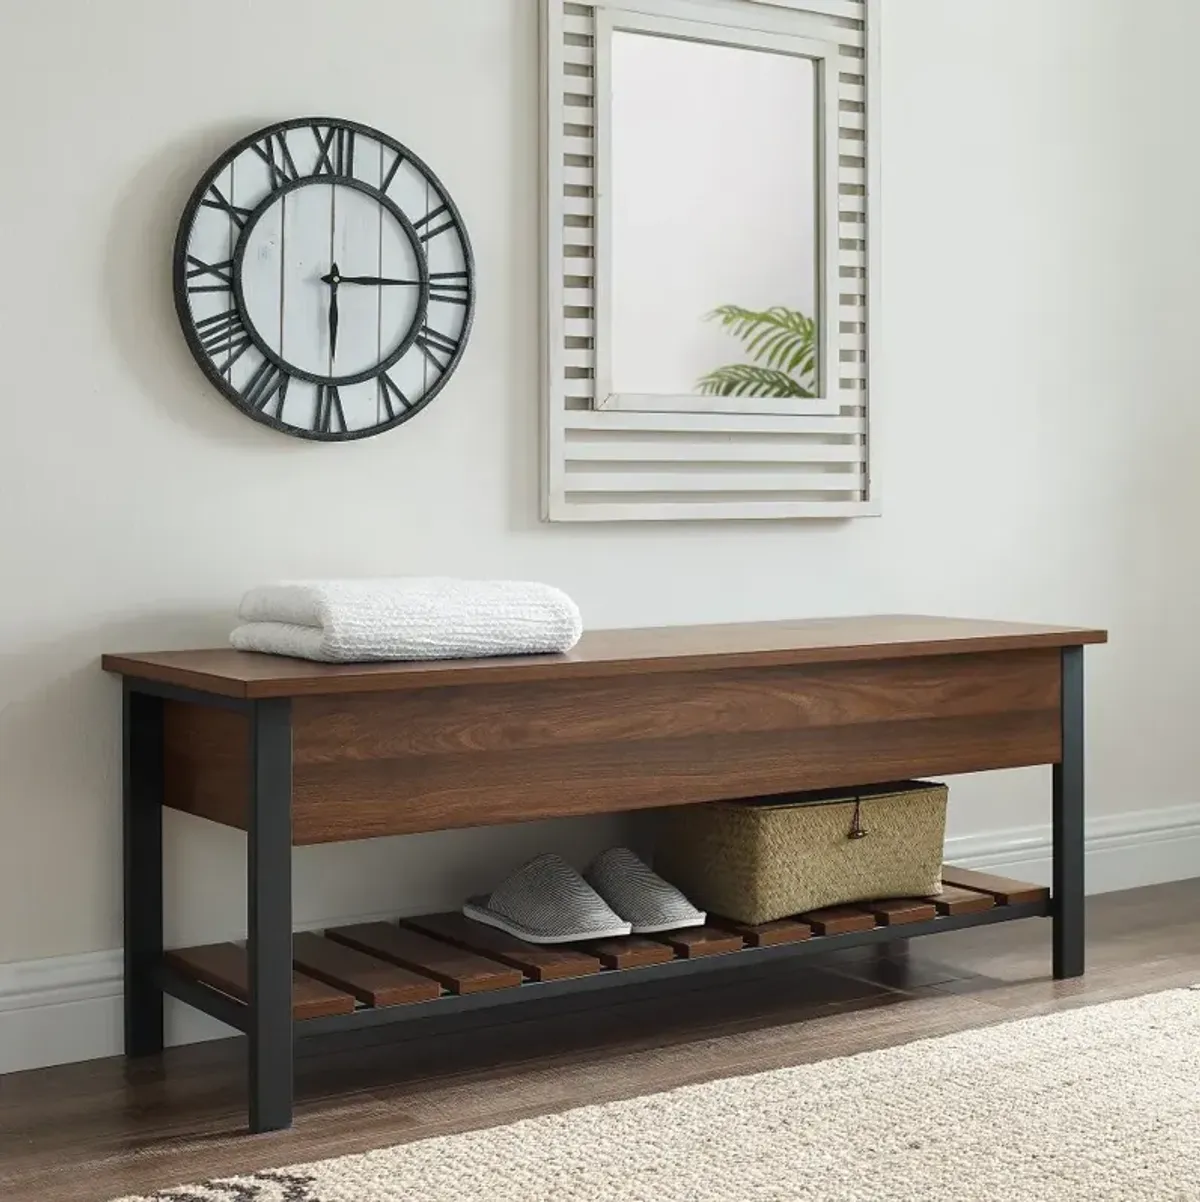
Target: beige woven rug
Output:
[(1096, 1104)]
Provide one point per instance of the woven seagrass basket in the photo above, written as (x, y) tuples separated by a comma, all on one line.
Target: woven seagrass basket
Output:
[(767, 858)]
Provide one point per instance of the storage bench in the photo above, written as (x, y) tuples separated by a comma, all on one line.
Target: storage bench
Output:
[(295, 753)]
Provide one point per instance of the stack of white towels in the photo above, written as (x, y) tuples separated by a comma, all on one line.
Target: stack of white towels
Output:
[(406, 618)]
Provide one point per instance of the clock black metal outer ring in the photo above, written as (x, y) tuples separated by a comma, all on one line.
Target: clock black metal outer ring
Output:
[(181, 294), (239, 257)]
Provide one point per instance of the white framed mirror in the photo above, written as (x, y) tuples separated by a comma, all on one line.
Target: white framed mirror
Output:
[(711, 231), (709, 182)]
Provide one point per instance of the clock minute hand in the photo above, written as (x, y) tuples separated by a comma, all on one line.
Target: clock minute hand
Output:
[(377, 280)]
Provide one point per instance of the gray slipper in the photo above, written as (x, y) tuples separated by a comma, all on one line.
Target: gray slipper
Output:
[(640, 895), (547, 901)]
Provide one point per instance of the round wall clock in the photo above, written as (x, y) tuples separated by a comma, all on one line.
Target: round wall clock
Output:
[(324, 279)]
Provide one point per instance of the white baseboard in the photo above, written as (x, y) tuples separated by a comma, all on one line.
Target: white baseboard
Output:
[(69, 1008), (1124, 851)]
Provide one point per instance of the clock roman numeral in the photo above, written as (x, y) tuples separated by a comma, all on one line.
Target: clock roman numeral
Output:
[(430, 218), (335, 151), (206, 272), (397, 162), (329, 413), (214, 198), (450, 287), (389, 392), (224, 334), (273, 151), (266, 384), (434, 345)]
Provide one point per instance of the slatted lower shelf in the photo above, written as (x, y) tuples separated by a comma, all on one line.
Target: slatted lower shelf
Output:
[(439, 963)]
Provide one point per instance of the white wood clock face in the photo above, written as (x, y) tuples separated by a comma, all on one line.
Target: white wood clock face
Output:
[(324, 279)]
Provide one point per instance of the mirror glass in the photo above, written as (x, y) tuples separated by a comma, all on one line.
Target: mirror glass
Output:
[(713, 219)]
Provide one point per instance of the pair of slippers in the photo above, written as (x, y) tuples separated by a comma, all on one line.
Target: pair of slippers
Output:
[(547, 901)]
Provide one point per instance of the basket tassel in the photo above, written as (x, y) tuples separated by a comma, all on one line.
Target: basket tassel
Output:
[(857, 830)]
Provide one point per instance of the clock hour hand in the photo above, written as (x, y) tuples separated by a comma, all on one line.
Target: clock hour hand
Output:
[(333, 279), (378, 281)]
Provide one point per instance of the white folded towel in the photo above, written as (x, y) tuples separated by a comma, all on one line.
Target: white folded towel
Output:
[(406, 618)]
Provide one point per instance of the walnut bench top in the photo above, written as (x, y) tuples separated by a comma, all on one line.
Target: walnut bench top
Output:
[(251, 675)]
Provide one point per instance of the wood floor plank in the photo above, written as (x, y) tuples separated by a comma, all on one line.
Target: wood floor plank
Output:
[(894, 911), (838, 920), (458, 970), (631, 951), (693, 942), (224, 966), (1007, 892), (539, 962), (765, 934), (953, 900), (371, 980)]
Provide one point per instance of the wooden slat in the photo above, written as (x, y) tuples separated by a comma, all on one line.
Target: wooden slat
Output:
[(1007, 892), (633, 951), (580, 387), (579, 235), (585, 145), (717, 423), (373, 981), (766, 934), (961, 901), (838, 920), (694, 942), (580, 24), (850, 9), (459, 971), (776, 450), (580, 268), (579, 356), (223, 966), (728, 482), (579, 206), (584, 56), (585, 85), (537, 962), (896, 910), (594, 507)]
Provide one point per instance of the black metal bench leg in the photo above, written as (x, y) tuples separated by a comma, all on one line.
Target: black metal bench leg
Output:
[(269, 899), (143, 874), (1068, 884)]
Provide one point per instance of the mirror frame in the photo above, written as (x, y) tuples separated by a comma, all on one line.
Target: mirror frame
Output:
[(821, 54), (600, 463)]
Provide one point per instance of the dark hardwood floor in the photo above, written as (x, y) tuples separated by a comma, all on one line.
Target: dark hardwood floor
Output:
[(92, 1132)]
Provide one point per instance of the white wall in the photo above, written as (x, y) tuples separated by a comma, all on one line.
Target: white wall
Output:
[(713, 201), (1038, 359)]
